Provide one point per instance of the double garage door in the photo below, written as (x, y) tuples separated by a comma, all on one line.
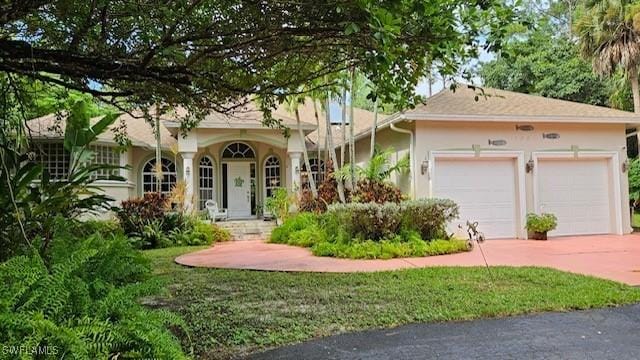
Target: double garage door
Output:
[(487, 190)]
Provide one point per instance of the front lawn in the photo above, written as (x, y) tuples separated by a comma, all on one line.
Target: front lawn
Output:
[(235, 312), (635, 220)]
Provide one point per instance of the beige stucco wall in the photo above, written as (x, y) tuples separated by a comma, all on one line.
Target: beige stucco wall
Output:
[(387, 138), (433, 135)]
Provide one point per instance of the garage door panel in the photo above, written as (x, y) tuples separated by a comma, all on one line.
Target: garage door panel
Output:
[(577, 192), (483, 189)]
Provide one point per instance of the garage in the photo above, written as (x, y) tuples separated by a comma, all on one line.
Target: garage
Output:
[(484, 189), (578, 192)]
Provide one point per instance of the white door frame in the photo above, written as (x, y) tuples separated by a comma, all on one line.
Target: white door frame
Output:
[(228, 184), (614, 165), (517, 156)]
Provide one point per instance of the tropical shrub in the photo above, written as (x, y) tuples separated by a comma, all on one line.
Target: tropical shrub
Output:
[(105, 228), (32, 200), (377, 192), (134, 214), (429, 217), (541, 223), (83, 305), (278, 203), (374, 231), (634, 181)]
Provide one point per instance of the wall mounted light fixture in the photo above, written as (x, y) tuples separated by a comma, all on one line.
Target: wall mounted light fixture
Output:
[(424, 167), (188, 171), (625, 165), (529, 166)]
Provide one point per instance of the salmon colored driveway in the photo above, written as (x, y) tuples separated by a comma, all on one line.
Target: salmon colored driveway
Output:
[(607, 256)]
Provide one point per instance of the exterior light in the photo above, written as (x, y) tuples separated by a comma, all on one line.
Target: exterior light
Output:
[(499, 142), (297, 169), (424, 167), (551, 136), (529, 166), (524, 127), (625, 165), (188, 171)]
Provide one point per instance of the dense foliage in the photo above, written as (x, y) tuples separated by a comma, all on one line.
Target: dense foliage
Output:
[(206, 54), (634, 180), (371, 230), (33, 201), (85, 304), (150, 223)]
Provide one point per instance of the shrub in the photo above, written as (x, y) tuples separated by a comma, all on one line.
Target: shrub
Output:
[(388, 249), (368, 221), (105, 228), (297, 222), (134, 214), (541, 223), (278, 203), (377, 191), (429, 216)]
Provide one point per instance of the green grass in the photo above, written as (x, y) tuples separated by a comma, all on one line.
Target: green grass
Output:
[(635, 221), (236, 312)]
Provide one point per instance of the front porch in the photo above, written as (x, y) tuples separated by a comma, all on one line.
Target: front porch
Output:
[(239, 169)]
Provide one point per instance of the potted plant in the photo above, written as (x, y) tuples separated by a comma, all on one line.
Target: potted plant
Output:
[(539, 225)]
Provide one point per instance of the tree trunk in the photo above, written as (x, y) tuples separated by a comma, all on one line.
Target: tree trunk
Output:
[(633, 77), (332, 151), (343, 127), (305, 156), (315, 113), (372, 149), (158, 169), (352, 141)]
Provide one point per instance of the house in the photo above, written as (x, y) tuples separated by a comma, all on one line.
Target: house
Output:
[(499, 157)]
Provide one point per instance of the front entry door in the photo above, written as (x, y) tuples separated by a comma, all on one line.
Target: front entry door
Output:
[(239, 189)]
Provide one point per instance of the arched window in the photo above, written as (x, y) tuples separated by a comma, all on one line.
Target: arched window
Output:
[(149, 180), (271, 175), (206, 180), (317, 171), (238, 151)]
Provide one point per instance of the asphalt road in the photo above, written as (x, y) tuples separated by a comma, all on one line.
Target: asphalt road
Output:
[(595, 334)]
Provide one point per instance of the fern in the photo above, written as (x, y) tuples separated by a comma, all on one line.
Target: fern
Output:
[(83, 318)]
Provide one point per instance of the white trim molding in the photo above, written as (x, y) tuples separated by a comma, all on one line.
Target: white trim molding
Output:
[(614, 165), (519, 163)]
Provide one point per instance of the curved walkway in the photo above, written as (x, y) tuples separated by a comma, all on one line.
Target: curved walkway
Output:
[(608, 256)]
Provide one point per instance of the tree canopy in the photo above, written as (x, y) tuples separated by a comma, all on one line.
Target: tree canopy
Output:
[(207, 54)]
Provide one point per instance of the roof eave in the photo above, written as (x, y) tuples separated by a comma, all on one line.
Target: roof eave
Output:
[(425, 116)]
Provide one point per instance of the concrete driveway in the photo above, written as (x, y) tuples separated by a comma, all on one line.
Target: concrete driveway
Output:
[(607, 256), (593, 334)]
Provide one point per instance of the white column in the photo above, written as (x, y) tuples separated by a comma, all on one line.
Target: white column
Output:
[(294, 184), (187, 176)]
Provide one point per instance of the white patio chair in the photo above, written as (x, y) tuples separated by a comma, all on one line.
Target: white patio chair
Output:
[(215, 213)]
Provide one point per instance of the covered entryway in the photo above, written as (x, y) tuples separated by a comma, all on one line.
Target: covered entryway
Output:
[(579, 191), (486, 190), (238, 180)]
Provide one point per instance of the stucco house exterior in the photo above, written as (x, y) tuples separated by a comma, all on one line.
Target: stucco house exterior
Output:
[(499, 158)]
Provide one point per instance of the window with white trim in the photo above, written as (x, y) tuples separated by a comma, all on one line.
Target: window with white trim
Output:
[(271, 175), (317, 171), (150, 181), (206, 179), (55, 159), (238, 151), (106, 155)]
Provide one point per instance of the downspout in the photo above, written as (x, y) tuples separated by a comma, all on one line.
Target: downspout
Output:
[(412, 159)]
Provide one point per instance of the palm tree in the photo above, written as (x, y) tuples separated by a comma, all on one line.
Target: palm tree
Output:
[(352, 141), (374, 127), (608, 36), (332, 149), (343, 126), (293, 104)]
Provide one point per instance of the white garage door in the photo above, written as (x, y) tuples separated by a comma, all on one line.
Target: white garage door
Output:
[(578, 193), (485, 190)]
